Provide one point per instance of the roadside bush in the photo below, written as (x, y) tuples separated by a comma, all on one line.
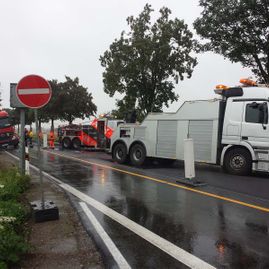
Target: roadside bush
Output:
[(12, 245), (12, 184), (13, 209), (13, 214)]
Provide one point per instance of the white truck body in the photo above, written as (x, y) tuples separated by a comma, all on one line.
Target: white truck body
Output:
[(216, 126)]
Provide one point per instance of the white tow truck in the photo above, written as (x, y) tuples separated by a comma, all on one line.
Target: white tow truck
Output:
[(231, 131)]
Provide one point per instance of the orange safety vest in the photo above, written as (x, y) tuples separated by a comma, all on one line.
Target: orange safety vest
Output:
[(51, 135)]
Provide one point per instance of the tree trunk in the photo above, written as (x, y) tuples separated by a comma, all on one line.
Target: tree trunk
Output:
[(39, 126), (52, 125), (70, 119), (264, 75)]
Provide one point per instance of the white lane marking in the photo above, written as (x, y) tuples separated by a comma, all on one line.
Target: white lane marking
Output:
[(34, 91), (37, 169), (120, 260), (176, 252), (163, 244)]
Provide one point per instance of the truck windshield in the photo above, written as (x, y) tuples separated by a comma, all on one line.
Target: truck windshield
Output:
[(4, 122)]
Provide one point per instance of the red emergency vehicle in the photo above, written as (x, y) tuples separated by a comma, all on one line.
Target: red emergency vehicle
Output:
[(7, 131), (95, 134)]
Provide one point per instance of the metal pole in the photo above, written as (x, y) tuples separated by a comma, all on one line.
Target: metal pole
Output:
[(22, 141), (39, 159)]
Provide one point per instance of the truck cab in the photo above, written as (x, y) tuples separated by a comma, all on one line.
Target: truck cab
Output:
[(245, 132), (7, 131)]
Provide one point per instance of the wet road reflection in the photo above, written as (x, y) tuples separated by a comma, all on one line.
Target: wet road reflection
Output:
[(222, 234)]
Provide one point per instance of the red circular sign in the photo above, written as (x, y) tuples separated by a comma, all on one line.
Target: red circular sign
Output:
[(33, 91)]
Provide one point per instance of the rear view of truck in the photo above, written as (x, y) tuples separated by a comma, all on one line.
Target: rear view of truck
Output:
[(95, 135)]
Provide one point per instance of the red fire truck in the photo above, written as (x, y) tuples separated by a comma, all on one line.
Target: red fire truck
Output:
[(95, 134), (7, 131)]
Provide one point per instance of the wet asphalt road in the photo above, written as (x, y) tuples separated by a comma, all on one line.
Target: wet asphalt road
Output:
[(224, 234)]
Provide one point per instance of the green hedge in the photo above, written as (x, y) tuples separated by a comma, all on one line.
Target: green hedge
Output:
[(13, 213)]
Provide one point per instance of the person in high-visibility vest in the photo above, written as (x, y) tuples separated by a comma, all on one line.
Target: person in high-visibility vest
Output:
[(30, 134), (51, 139)]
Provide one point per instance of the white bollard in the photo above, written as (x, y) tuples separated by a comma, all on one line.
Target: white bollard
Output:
[(45, 141), (189, 158), (27, 163)]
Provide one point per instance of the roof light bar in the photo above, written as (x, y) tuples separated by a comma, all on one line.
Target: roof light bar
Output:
[(248, 82)]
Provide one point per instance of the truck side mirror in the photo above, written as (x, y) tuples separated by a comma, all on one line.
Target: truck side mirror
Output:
[(253, 105), (263, 114), (12, 120)]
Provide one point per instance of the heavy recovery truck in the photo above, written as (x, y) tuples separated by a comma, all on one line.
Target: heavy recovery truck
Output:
[(95, 135), (231, 130)]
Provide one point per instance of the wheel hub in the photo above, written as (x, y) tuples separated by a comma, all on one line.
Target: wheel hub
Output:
[(237, 162), (119, 154), (138, 154)]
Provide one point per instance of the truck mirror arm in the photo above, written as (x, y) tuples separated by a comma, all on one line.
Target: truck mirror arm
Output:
[(265, 115)]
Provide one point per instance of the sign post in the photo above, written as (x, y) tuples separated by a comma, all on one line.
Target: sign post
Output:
[(34, 92), (22, 141), (40, 161)]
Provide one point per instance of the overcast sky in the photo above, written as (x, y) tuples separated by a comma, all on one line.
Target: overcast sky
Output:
[(54, 38)]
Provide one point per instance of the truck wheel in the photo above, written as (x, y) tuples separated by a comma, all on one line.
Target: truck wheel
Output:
[(137, 155), (238, 162), (120, 153), (66, 143), (76, 144)]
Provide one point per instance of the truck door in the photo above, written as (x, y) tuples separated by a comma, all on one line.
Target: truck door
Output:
[(255, 129)]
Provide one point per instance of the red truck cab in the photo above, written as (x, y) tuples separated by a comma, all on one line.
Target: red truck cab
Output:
[(7, 131)]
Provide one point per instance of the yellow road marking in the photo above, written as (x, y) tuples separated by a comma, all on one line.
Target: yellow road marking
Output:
[(261, 208)]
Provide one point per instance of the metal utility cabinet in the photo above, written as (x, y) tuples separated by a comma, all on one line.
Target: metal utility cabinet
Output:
[(231, 130)]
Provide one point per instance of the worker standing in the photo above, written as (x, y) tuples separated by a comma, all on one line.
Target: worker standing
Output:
[(51, 139), (30, 134), (26, 137)]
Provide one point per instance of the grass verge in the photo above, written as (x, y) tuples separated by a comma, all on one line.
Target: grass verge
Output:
[(13, 214)]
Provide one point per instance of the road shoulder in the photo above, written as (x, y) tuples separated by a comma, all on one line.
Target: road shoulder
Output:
[(63, 243)]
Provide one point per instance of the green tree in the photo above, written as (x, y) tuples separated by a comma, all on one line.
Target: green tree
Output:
[(54, 109), (125, 105), (75, 100), (29, 116), (14, 114), (239, 30), (143, 63)]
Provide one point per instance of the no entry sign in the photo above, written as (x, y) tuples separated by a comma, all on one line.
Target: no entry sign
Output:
[(33, 91)]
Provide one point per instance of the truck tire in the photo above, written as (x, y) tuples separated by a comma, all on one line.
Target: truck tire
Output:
[(137, 155), (238, 161), (66, 143), (119, 153), (76, 144)]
